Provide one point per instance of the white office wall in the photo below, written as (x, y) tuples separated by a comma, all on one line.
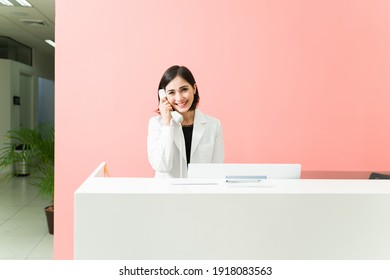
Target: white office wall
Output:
[(5, 96), (11, 75), (23, 84), (26, 107)]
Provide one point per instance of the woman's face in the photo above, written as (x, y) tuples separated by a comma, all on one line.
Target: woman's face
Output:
[(180, 94)]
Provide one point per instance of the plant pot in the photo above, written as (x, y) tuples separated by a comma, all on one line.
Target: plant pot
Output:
[(49, 211), (21, 166)]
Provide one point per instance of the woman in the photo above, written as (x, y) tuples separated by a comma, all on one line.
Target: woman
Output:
[(197, 139)]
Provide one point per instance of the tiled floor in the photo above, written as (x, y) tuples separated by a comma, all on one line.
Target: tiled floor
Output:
[(23, 228)]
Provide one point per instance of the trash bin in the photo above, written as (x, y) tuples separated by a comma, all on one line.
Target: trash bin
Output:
[(21, 164)]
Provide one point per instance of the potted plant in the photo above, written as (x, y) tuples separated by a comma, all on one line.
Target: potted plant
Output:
[(38, 154)]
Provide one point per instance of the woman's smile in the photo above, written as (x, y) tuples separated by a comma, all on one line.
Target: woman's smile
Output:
[(182, 104)]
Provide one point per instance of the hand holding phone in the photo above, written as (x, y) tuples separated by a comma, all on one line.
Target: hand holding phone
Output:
[(177, 117)]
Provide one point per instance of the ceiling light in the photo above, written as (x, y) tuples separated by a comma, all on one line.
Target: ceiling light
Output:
[(18, 3), (24, 3), (51, 43), (6, 3)]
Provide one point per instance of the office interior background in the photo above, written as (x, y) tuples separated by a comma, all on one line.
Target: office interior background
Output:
[(291, 81), (26, 76), (27, 64)]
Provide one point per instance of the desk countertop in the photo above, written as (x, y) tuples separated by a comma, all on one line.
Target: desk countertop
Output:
[(116, 185)]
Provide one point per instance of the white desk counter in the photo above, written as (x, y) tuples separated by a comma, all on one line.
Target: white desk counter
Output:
[(145, 218)]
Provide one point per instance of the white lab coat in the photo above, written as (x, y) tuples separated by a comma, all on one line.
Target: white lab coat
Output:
[(165, 143)]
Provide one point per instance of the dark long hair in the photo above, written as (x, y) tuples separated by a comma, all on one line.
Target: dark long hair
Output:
[(183, 72)]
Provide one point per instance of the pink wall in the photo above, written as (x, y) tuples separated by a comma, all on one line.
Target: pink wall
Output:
[(292, 81)]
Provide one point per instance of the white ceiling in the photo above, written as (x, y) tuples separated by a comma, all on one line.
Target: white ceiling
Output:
[(31, 35)]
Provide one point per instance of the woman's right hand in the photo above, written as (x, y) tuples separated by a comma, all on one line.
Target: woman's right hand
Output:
[(165, 111)]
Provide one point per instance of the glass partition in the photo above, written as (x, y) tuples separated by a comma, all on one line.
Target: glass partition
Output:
[(11, 49)]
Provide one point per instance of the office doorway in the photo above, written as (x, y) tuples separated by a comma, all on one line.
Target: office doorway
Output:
[(26, 110), (45, 100)]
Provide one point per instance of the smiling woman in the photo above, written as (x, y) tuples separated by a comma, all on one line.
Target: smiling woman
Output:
[(197, 130)]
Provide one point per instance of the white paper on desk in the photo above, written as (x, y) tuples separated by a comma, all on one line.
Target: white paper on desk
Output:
[(180, 181)]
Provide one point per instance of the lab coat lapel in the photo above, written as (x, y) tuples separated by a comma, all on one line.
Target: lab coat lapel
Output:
[(199, 129), (177, 137)]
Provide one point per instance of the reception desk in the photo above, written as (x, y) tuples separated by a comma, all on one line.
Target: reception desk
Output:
[(147, 218)]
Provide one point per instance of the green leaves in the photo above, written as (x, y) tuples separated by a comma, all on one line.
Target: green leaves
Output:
[(36, 148)]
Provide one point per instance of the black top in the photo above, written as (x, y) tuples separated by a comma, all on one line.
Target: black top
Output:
[(187, 131)]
